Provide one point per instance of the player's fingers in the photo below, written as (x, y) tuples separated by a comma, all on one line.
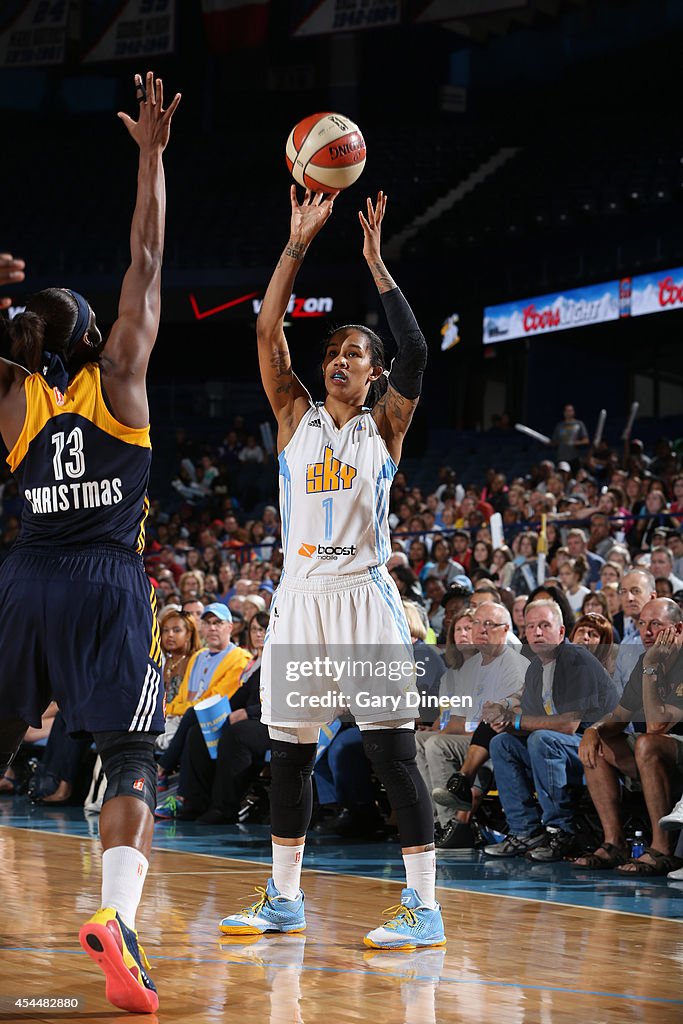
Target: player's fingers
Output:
[(363, 223), (128, 121), (317, 199), (160, 93), (307, 197), (173, 107), (151, 95), (140, 91)]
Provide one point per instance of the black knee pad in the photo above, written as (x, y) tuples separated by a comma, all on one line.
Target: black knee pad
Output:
[(291, 790), (11, 734), (391, 753), (128, 762)]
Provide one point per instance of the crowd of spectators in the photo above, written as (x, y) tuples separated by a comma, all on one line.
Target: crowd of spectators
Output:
[(551, 624)]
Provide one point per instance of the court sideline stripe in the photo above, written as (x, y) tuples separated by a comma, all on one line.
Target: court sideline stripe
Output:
[(373, 878)]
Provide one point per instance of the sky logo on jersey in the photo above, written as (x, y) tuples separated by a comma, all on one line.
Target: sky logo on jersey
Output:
[(327, 552), (329, 475)]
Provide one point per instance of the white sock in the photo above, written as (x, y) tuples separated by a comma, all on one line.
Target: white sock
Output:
[(421, 875), (124, 870), (287, 861)]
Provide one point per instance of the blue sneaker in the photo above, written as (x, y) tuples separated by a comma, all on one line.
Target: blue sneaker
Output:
[(411, 926), (271, 913)]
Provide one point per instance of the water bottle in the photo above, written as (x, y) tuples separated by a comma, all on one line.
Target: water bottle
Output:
[(637, 846)]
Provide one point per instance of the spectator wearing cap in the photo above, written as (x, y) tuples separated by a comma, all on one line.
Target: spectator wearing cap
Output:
[(661, 564), (454, 601), (213, 671), (253, 603), (266, 590)]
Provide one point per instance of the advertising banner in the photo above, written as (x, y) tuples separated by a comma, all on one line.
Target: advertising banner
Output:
[(657, 293), (561, 311)]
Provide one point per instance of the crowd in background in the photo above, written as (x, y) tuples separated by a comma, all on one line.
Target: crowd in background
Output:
[(214, 555)]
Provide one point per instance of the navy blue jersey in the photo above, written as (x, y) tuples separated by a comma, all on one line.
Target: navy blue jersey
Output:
[(83, 475)]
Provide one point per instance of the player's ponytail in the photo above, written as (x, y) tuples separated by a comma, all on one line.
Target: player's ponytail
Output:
[(27, 336), (45, 325)]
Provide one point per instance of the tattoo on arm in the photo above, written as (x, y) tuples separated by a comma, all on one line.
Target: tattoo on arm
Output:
[(295, 250), (382, 277), (282, 370), (397, 406)]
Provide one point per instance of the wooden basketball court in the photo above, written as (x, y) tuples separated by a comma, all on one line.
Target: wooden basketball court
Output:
[(507, 959)]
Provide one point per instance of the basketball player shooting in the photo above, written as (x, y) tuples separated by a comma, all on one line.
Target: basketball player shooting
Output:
[(77, 611), (337, 460)]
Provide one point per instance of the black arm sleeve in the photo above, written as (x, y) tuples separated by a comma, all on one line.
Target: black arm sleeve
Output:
[(407, 367)]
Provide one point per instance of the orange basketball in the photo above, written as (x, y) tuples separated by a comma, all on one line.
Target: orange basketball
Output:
[(325, 152)]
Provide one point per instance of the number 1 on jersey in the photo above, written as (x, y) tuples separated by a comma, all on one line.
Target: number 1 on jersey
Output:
[(327, 505)]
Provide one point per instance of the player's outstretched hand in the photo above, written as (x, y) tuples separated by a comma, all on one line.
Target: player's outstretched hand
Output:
[(372, 226), (152, 129), (11, 271), (309, 215)]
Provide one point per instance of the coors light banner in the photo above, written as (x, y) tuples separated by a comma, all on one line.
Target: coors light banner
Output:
[(657, 293), (576, 307)]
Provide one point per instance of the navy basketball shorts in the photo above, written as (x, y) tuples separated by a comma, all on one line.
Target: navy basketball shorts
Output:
[(78, 625)]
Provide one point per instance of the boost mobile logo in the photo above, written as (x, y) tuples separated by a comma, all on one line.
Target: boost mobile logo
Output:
[(326, 552)]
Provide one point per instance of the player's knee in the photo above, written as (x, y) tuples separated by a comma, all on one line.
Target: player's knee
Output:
[(291, 767), (391, 753), (129, 765)]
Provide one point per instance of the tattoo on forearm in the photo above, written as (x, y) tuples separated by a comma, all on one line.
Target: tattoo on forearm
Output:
[(382, 277), (295, 250)]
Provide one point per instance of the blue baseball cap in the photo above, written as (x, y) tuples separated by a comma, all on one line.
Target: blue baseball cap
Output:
[(221, 611)]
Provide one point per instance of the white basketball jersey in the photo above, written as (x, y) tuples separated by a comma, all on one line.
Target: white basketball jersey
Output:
[(334, 496)]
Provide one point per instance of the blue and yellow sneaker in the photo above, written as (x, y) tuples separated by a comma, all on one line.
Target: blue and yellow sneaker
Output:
[(171, 806), (271, 913), (411, 926), (114, 947)]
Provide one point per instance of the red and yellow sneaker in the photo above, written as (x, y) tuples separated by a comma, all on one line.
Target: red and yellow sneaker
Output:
[(114, 947)]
